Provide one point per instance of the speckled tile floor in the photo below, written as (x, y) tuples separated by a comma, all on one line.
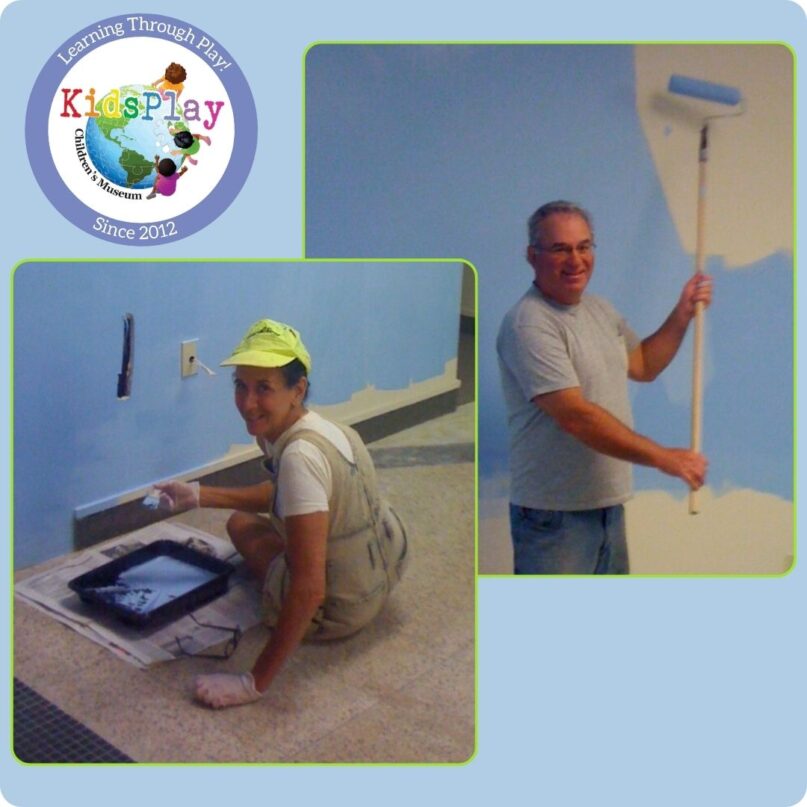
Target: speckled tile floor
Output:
[(402, 690)]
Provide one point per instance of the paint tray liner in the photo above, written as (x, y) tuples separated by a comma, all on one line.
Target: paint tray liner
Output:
[(155, 584)]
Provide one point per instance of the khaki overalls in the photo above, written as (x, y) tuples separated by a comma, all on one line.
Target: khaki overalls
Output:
[(367, 543)]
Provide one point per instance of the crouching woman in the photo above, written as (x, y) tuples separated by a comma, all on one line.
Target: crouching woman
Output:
[(326, 547)]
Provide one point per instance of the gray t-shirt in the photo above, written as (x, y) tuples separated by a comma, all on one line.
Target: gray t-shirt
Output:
[(544, 347)]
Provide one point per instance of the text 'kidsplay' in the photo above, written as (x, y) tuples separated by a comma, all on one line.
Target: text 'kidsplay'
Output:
[(110, 106)]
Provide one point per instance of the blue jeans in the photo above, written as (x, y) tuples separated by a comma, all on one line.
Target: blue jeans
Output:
[(569, 542)]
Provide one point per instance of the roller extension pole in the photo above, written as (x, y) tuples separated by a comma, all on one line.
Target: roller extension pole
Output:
[(730, 96), (697, 353)]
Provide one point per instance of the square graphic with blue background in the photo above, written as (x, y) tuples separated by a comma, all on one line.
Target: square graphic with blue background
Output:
[(648, 691)]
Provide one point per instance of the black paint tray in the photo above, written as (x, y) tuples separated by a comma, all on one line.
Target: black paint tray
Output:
[(155, 584)]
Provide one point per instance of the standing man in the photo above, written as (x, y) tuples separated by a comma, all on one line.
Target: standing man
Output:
[(565, 359)]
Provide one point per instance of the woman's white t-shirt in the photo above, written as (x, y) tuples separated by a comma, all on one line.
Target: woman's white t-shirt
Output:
[(304, 483)]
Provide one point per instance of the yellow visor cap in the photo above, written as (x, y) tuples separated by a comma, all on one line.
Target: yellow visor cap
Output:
[(269, 344)]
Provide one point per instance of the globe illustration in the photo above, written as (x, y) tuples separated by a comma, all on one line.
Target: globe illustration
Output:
[(123, 149)]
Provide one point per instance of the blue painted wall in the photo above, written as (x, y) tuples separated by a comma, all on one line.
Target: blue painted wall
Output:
[(455, 146), (74, 442)]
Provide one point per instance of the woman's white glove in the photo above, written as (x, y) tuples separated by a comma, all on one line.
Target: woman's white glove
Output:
[(178, 496), (223, 689)]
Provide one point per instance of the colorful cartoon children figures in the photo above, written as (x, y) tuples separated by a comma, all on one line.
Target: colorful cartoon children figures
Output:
[(188, 143), (167, 177), (172, 80)]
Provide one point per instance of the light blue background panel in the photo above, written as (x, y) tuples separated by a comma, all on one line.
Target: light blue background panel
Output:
[(632, 692)]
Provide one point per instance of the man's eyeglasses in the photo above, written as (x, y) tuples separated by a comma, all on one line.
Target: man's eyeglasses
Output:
[(229, 648), (583, 249)]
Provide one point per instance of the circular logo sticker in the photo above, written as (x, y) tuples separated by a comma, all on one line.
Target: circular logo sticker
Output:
[(141, 129)]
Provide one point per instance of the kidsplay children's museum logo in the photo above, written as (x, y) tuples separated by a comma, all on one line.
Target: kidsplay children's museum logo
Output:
[(141, 129)]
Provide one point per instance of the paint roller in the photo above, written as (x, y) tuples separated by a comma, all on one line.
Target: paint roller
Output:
[(705, 90), (729, 96)]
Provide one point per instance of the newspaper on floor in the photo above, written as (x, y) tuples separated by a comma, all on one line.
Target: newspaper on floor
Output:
[(208, 626)]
